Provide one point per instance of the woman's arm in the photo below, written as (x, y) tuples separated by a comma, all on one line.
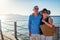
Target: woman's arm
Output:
[(50, 21), (50, 24)]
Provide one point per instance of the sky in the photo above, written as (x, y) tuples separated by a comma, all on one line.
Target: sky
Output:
[(25, 7)]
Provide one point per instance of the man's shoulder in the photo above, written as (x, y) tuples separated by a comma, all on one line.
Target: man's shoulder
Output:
[(30, 15), (39, 13)]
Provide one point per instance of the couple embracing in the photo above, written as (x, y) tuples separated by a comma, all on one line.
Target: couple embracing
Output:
[(36, 19)]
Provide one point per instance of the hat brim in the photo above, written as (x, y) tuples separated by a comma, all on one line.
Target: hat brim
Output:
[(48, 12)]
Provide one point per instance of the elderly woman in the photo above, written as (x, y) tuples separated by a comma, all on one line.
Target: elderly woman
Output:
[(47, 20)]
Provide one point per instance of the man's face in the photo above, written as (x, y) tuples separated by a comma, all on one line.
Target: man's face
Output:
[(35, 10)]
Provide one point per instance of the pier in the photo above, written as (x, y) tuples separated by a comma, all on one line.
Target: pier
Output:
[(8, 36)]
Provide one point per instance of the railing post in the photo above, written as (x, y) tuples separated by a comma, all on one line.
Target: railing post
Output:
[(58, 33), (1, 31), (15, 30)]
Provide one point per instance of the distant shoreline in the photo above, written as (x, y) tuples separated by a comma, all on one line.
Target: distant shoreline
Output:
[(55, 16)]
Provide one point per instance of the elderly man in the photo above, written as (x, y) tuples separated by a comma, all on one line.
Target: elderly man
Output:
[(34, 24)]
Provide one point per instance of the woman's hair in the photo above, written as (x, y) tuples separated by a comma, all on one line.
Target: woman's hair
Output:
[(48, 11)]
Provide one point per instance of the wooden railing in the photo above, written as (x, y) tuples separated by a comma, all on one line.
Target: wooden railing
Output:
[(8, 36), (1, 31)]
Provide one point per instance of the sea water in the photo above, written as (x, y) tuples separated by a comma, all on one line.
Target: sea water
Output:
[(22, 27)]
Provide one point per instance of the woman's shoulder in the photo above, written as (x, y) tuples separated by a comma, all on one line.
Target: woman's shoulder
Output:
[(50, 18)]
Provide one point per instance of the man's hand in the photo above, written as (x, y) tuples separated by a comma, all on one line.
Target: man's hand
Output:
[(29, 34)]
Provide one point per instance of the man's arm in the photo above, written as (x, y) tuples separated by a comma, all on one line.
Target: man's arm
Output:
[(29, 25), (40, 12)]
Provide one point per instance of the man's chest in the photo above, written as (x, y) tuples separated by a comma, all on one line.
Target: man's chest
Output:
[(36, 20)]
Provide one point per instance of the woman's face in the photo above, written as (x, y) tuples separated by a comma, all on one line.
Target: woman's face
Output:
[(44, 13)]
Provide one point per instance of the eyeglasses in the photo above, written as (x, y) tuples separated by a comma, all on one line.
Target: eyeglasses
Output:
[(36, 8)]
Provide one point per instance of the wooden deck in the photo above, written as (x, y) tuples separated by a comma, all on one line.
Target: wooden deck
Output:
[(8, 36)]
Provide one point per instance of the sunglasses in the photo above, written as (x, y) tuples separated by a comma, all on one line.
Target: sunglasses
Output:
[(36, 8), (44, 12)]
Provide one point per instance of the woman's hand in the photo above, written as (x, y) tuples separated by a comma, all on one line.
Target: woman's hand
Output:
[(43, 20), (49, 25)]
